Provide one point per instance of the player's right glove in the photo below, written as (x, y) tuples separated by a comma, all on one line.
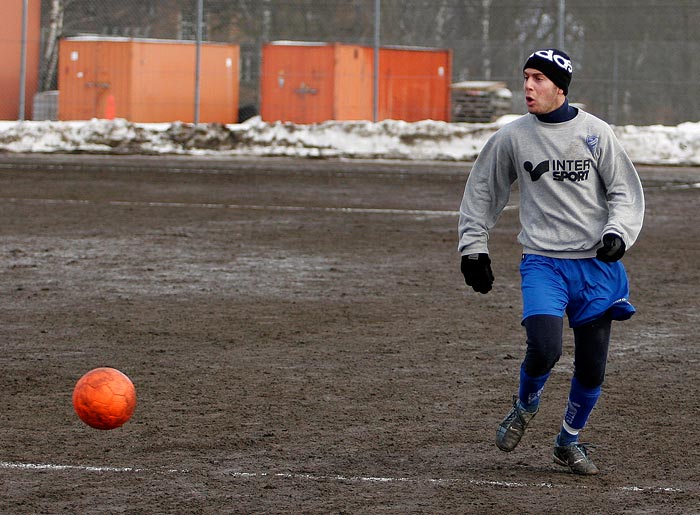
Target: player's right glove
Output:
[(476, 269), (612, 250)]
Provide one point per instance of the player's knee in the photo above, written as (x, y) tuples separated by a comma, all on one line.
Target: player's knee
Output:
[(540, 360), (592, 377), (544, 342)]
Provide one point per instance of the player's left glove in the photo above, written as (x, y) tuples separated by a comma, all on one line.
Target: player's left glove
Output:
[(613, 248)]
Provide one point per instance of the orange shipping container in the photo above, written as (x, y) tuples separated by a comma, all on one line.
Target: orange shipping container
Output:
[(414, 84), (313, 82), (11, 57), (146, 81)]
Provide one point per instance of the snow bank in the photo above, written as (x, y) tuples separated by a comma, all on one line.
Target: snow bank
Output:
[(390, 139)]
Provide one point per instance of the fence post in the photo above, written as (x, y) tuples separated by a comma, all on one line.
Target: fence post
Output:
[(562, 25), (615, 83), (23, 61), (375, 86), (198, 58)]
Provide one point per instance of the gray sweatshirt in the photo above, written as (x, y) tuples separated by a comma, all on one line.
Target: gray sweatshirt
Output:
[(576, 183)]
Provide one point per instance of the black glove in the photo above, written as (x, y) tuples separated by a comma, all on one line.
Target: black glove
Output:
[(613, 248), (476, 269)]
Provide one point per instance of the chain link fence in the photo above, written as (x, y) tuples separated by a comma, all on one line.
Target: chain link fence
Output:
[(635, 61)]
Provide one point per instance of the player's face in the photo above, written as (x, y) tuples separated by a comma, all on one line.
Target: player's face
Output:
[(542, 96)]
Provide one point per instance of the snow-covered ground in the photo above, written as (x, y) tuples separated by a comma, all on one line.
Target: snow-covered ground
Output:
[(391, 139)]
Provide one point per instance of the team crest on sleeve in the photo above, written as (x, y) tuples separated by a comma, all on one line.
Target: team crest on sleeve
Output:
[(592, 143)]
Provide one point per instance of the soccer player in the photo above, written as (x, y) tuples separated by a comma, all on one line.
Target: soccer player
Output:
[(581, 207)]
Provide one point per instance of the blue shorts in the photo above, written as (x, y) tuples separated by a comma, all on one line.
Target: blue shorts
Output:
[(584, 289)]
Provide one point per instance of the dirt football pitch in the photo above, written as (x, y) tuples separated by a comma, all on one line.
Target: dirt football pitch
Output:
[(301, 341)]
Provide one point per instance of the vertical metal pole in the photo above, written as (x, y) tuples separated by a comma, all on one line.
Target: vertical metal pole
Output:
[(615, 83), (23, 61), (485, 38), (198, 59), (264, 38), (375, 87), (266, 21), (562, 23)]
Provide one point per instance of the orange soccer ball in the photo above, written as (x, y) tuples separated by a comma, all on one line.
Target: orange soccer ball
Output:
[(104, 398)]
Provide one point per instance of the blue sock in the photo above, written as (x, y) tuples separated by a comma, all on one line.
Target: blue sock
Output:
[(566, 438), (530, 390), (582, 400)]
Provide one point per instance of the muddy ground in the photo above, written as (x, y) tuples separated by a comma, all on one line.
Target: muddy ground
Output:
[(302, 341)]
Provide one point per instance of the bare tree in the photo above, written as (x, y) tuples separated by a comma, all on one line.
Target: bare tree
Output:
[(50, 57)]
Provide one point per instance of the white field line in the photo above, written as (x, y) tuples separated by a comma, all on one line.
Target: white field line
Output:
[(693, 186), (476, 482), (250, 207), (9, 465)]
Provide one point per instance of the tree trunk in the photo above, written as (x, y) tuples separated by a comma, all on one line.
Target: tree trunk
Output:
[(51, 53)]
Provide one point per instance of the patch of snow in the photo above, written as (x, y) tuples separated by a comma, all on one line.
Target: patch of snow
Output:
[(388, 139)]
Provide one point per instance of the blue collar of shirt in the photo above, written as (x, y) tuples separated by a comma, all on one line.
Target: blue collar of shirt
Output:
[(563, 113)]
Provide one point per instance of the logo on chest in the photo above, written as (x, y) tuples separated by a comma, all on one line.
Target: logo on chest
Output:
[(574, 170)]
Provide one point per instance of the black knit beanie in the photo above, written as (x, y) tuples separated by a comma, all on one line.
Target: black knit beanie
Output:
[(555, 64)]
